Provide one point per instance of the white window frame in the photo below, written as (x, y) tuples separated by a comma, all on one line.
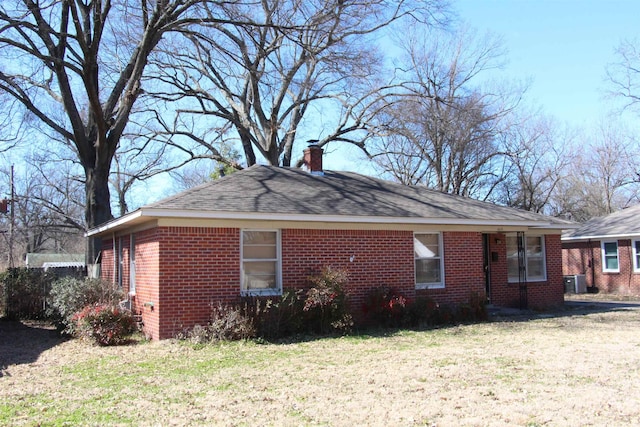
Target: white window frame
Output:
[(604, 258), (543, 256), (636, 253), (434, 285), (262, 292), (132, 264)]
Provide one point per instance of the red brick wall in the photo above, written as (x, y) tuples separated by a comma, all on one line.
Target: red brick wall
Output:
[(109, 269), (578, 258), (463, 269), (198, 266), (148, 280), (147, 263), (379, 258), (181, 271), (106, 262), (586, 258)]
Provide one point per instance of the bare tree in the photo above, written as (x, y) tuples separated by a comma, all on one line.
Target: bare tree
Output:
[(137, 160), (76, 68), (444, 128), (257, 84), (624, 74), (614, 167), (47, 208), (602, 177), (539, 154)]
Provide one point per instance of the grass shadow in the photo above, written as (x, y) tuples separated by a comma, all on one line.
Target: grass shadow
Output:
[(23, 342)]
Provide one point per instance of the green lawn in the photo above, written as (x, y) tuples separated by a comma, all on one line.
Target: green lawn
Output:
[(568, 370)]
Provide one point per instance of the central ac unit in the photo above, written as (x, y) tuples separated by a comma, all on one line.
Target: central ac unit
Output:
[(575, 284)]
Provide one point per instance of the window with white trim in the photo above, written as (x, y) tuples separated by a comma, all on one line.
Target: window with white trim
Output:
[(636, 256), (132, 265), (427, 248), (260, 260), (610, 263), (535, 269)]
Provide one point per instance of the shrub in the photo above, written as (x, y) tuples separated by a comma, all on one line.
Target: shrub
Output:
[(322, 308), (475, 309), (70, 295), (326, 304), (228, 323), (104, 324), (385, 307), (422, 311), (276, 317), (23, 292)]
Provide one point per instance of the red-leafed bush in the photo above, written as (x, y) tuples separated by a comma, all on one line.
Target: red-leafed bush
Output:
[(104, 324)]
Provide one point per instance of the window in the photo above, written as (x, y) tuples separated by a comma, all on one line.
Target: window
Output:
[(260, 262), (636, 256), (610, 257), (534, 258), (132, 265), (427, 248)]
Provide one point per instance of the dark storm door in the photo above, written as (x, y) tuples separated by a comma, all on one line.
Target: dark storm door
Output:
[(486, 259)]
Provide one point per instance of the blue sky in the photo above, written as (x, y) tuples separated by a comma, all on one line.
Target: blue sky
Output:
[(562, 45)]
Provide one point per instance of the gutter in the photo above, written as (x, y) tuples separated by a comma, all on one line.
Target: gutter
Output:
[(599, 237)]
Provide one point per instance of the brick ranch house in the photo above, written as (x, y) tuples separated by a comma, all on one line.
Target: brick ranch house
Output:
[(266, 228), (606, 251)]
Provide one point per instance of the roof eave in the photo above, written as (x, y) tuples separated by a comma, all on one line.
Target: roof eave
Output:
[(115, 223), (155, 213)]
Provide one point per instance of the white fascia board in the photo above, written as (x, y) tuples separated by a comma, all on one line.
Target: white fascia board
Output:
[(167, 213), (600, 237), (125, 219), (152, 213)]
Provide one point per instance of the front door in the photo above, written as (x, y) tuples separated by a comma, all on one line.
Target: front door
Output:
[(486, 259)]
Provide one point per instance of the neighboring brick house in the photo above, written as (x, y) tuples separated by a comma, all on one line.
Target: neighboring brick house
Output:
[(606, 250), (266, 228)]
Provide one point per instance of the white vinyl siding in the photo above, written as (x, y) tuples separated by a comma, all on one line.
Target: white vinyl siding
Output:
[(428, 258), (260, 253)]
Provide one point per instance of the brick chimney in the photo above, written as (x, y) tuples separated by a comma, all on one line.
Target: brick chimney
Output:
[(313, 159)]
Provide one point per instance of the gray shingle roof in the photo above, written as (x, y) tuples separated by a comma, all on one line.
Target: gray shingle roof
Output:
[(622, 223), (274, 190)]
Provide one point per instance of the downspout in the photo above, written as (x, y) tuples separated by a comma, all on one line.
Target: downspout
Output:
[(631, 263), (115, 260)]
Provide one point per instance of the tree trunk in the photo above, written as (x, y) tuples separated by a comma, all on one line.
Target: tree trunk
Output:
[(98, 207)]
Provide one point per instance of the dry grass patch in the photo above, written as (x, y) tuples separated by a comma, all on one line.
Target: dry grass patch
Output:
[(573, 370)]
